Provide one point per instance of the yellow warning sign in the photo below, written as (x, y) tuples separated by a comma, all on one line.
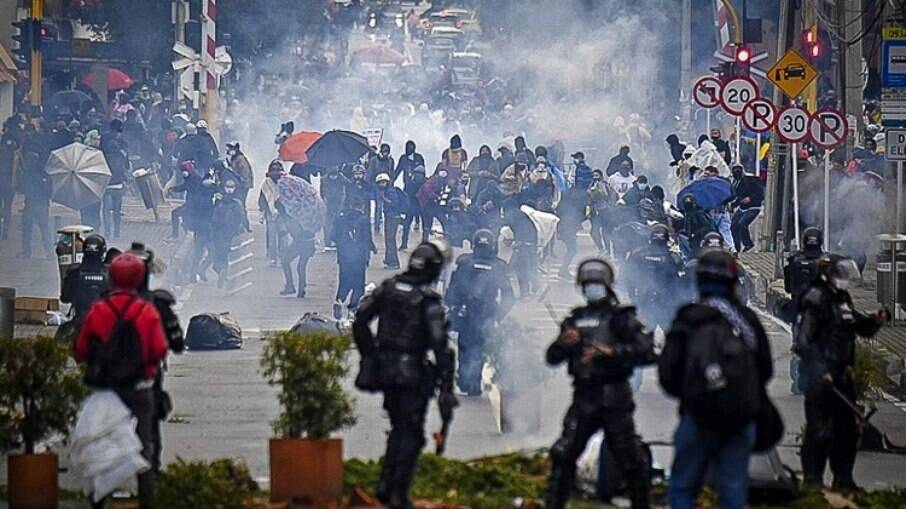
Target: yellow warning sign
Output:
[(792, 73)]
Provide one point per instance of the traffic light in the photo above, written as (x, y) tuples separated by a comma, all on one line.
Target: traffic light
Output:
[(742, 62), (23, 38), (816, 45)]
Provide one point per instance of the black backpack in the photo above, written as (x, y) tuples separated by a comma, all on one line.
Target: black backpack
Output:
[(118, 362), (721, 385)]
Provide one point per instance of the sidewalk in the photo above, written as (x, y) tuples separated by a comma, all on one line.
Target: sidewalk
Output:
[(768, 291)]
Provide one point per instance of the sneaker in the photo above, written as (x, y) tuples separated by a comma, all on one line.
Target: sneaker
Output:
[(337, 310), (746, 249), (391, 267), (301, 294), (288, 290)]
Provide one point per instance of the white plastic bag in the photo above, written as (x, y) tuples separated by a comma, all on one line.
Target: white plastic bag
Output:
[(105, 450)]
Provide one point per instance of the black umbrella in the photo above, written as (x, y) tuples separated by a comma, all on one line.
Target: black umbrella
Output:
[(335, 148), (69, 97)]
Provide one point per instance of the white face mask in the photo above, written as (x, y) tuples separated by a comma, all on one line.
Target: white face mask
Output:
[(229, 190), (594, 292)]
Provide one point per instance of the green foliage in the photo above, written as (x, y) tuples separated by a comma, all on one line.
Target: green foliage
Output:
[(868, 373), (221, 484), (40, 391), (309, 369), (485, 483)]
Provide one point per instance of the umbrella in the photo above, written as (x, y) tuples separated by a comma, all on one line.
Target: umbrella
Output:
[(78, 174), (116, 79), (69, 97), (709, 192), (301, 202), (293, 148), (335, 148), (379, 55)]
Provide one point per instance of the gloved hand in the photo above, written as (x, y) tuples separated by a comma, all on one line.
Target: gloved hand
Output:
[(447, 402)]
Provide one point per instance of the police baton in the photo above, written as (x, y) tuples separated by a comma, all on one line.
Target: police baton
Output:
[(862, 416)]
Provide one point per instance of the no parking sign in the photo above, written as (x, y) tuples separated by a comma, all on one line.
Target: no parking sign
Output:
[(827, 128), (759, 115)]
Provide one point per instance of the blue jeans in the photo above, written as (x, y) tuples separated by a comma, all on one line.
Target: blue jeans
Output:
[(723, 222), (695, 450), (739, 226)]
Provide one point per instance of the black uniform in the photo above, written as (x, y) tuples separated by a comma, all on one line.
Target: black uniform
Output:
[(83, 285), (655, 279), (411, 323), (825, 338), (602, 397), (479, 294)]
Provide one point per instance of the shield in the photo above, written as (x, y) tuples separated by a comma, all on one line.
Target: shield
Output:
[(709, 192), (335, 148), (301, 202), (293, 148), (78, 174)]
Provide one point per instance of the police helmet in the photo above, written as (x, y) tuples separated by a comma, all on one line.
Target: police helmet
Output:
[(712, 240), (429, 258), (94, 247), (834, 267), (812, 239), (717, 265), (659, 234), (595, 270), (484, 243)]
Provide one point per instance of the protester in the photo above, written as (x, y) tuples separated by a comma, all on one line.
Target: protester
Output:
[(619, 161), (749, 194), (352, 236)]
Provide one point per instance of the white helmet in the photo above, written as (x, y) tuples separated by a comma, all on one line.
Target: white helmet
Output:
[(202, 124)]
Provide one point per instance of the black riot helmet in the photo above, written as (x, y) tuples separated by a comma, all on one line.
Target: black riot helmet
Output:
[(484, 244), (93, 248), (712, 240), (659, 235), (812, 240), (595, 270), (717, 273), (838, 271), (429, 258)]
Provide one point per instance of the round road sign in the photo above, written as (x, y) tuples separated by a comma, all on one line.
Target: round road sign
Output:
[(759, 115), (706, 92), (792, 124), (736, 93), (827, 128)]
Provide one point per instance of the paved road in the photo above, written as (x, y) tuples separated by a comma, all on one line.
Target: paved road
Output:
[(225, 409)]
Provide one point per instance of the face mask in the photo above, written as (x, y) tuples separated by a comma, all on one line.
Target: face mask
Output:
[(442, 174), (841, 284), (594, 292), (185, 174), (229, 190), (643, 187)]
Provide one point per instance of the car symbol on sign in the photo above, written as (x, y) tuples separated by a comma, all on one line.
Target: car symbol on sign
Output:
[(791, 71)]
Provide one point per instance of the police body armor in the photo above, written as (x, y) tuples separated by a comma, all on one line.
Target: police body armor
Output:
[(476, 308), (835, 338), (802, 270), (594, 329), (92, 284), (402, 347)]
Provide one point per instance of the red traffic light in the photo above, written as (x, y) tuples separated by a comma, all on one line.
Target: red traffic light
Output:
[(815, 51), (743, 55)]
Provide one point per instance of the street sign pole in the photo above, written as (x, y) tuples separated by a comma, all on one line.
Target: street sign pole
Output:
[(795, 156), (899, 221), (708, 121), (738, 137), (826, 201), (758, 155)]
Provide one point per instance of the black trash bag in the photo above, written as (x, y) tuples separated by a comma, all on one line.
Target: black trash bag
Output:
[(213, 331), (316, 322)]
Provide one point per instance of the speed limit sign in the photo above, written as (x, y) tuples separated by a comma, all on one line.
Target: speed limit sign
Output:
[(736, 93), (792, 124)]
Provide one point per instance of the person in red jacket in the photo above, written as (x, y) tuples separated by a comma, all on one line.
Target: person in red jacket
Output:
[(126, 274)]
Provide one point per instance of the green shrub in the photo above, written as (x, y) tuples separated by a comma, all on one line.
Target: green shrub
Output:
[(868, 373), (221, 484), (40, 391), (309, 369)]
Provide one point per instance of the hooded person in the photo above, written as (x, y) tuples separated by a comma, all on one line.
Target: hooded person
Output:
[(241, 166), (267, 205), (677, 149), (618, 161), (583, 172), (708, 155), (482, 171), (407, 162), (552, 168), (455, 158), (523, 150)]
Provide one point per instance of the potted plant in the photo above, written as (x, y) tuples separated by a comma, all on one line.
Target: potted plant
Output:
[(40, 391), (306, 464), (514, 353)]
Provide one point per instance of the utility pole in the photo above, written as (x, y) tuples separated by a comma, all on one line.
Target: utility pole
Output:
[(179, 15), (773, 195), (852, 98), (208, 51), (36, 73), (686, 68)]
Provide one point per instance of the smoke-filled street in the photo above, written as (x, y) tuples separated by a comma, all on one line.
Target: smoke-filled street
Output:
[(452, 253)]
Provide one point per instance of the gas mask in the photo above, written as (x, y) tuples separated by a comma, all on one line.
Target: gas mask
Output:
[(643, 187), (594, 292)]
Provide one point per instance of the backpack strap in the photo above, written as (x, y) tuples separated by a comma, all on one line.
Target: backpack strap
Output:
[(120, 315)]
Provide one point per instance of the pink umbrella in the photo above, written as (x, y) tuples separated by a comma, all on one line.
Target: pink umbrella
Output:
[(116, 79)]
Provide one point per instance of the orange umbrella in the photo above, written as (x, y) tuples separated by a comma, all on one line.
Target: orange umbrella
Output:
[(294, 148)]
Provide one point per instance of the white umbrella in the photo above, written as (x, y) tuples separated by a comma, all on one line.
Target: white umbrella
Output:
[(79, 174)]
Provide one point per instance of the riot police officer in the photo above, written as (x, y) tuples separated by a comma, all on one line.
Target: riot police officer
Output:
[(824, 336), (411, 322), (163, 301), (86, 283), (656, 272), (601, 343), (479, 294), (798, 274)]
